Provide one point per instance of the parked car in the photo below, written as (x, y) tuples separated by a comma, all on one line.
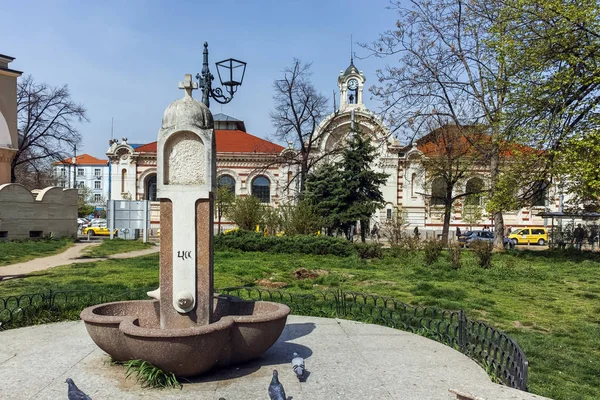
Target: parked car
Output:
[(529, 236), (97, 230), (98, 222), (462, 239), (485, 236)]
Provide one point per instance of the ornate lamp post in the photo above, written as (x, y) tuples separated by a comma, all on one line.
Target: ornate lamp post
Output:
[(231, 74)]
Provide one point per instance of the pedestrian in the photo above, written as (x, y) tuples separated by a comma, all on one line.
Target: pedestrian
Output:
[(458, 232), (416, 232), (508, 231), (375, 232), (578, 235)]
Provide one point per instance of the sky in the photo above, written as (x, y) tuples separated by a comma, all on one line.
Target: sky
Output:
[(123, 59)]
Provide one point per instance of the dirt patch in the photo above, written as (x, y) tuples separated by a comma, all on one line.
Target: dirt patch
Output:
[(270, 284), (303, 273), (373, 282), (518, 325)]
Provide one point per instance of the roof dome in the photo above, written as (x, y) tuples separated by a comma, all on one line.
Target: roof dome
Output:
[(188, 111), (351, 69)]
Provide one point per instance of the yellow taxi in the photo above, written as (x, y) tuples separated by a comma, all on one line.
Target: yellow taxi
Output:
[(98, 230), (529, 236)]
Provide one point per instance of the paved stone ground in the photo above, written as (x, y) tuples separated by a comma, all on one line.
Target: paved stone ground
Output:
[(345, 359), (70, 256)]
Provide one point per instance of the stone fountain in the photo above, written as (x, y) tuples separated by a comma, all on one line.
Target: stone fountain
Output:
[(186, 329)]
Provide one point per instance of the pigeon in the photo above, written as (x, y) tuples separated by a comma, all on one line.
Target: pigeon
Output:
[(74, 393), (298, 366), (276, 391)]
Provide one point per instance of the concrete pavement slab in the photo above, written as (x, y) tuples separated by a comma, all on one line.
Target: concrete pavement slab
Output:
[(344, 359)]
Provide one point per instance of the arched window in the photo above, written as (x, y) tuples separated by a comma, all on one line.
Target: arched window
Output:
[(151, 188), (123, 179), (474, 189), (413, 181), (438, 191), (261, 189), (228, 182)]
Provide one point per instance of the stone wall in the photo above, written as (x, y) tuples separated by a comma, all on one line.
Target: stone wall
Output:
[(25, 214)]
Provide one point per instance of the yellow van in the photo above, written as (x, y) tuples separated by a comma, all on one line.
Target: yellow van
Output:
[(529, 236)]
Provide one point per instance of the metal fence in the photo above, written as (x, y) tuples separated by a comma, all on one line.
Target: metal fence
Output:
[(500, 355)]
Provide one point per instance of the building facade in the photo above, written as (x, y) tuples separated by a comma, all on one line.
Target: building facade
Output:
[(254, 166), (85, 171), (8, 117)]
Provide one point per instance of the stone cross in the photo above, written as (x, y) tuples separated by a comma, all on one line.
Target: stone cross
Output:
[(188, 85)]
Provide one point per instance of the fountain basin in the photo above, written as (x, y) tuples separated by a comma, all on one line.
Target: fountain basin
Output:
[(241, 330)]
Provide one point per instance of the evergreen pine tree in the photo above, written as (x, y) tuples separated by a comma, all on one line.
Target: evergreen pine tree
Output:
[(362, 184)]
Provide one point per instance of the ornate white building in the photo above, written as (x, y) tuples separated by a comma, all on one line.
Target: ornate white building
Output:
[(251, 165)]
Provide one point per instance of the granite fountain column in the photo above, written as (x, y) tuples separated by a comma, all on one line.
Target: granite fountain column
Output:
[(186, 329), (186, 186)]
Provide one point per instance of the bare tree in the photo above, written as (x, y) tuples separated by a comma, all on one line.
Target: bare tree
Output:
[(35, 175), (299, 109), (448, 69), (47, 131), (449, 161)]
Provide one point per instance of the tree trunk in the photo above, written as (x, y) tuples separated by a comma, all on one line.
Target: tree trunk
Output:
[(303, 173), (13, 167), (447, 216), (219, 214), (363, 230), (496, 214)]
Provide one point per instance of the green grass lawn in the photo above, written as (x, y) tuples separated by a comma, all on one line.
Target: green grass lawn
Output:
[(548, 301), (19, 251), (116, 246)]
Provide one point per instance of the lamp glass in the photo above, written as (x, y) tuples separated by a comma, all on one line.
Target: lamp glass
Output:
[(231, 72)]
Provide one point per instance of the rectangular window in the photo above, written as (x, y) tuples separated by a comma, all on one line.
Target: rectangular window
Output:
[(35, 234), (537, 231), (80, 172), (97, 185), (3, 234), (97, 172), (63, 172), (389, 213), (81, 184), (97, 198)]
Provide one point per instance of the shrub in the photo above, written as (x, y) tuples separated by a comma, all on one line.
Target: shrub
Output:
[(455, 252), (397, 251), (433, 249), (394, 229), (483, 252), (304, 244), (410, 243), (300, 219), (369, 250), (246, 212), (271, 220)]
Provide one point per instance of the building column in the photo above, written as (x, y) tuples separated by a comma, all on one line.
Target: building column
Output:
[(6, 157)]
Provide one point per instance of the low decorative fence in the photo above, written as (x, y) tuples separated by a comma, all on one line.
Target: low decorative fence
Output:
[(499, 354)]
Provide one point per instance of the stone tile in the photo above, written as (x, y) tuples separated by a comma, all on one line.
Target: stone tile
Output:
[(346, 360)]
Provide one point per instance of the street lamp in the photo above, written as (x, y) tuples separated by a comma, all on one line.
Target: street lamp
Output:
[(231, 74)]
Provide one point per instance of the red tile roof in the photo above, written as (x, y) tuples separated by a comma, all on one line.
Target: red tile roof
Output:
[(231, 141), (146, 148), (83, 159)]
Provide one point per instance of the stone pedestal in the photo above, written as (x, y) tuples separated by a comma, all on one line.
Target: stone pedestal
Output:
[(201, 314)]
